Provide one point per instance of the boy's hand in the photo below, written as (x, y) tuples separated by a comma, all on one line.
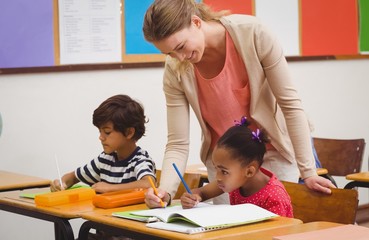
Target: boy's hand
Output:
[(190, 200), (102, 187), (55, 186)]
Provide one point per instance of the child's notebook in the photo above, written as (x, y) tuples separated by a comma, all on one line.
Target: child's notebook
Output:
[(204, 217)]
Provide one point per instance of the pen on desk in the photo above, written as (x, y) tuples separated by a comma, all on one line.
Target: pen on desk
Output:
[(156, 191), (182, 179), (57, 167)]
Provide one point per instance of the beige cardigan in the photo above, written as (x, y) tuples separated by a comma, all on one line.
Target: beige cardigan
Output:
[(275, 105)]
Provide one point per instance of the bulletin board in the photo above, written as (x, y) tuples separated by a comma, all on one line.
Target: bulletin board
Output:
[(67, 35)]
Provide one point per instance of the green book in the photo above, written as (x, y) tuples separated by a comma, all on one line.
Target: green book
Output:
[(129, 215), (33, 195)]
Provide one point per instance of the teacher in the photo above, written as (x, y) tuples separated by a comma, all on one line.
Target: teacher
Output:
[(225, 67)]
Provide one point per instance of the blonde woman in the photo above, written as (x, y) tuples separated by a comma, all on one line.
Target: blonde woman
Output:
[(226, 66)]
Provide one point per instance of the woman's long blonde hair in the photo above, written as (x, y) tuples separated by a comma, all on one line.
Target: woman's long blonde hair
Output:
[(166, 17)]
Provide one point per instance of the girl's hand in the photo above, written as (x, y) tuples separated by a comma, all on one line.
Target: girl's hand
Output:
[(190, 200)]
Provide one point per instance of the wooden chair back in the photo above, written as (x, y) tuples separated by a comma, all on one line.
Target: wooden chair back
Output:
[(340, 156), (192, 180), (311, 206)]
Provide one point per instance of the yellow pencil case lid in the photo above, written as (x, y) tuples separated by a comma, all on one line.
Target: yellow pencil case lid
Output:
[(64, 197), (119, 198)]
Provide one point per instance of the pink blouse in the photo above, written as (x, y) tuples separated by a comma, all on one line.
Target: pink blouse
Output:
[(226, 97)]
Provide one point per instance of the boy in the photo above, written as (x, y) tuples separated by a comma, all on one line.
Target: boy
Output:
[(122, 164)]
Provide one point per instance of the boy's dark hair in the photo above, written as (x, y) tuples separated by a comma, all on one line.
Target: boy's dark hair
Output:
[(123, 112), (244, 144)]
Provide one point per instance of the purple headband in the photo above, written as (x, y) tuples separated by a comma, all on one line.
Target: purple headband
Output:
[(240, 123), (255, 135)]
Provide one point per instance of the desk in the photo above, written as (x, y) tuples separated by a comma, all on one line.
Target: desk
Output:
[(298, 228), (14, 181), (59, 215), (321, 171), (103, 220), (358, 180)]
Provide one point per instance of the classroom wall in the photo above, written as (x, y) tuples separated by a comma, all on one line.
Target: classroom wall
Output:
[(51, 113)]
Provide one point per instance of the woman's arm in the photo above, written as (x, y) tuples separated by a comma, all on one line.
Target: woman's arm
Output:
[(178, 125), (277, 73)]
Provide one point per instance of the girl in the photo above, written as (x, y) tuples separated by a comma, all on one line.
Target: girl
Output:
[(237, 158)]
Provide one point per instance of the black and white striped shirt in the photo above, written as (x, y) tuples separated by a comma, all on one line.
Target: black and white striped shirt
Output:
[(107, 168)]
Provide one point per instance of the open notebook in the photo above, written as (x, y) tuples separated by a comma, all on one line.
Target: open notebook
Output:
[(204, 217)]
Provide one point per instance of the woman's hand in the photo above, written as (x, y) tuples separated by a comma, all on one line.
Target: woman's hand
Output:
[(319, 184)]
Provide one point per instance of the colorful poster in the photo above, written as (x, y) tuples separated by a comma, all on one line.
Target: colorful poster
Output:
[(329, 27)]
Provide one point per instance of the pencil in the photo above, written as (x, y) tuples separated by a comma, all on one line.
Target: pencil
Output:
[(156, 191), (57, 167), (182, 179)]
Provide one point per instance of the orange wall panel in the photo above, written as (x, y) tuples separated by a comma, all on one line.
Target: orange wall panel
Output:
[(329, 27), (235, 6)]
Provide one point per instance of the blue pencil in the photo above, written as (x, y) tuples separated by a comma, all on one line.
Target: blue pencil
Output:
[(182, 179)]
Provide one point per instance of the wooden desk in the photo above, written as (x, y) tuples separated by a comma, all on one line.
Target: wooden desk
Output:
[(59, 215), (14, 181), (321, 171), (103, 220), (358, 180), (298, 228)]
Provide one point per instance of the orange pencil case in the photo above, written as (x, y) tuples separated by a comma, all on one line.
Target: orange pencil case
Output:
[(119, 198), (64, 197)]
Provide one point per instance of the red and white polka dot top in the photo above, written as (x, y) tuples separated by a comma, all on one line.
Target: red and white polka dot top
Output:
[(273, 197)]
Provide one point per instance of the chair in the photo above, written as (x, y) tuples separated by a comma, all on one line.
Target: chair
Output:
[(192, 180), (340, 156), (311, 206)]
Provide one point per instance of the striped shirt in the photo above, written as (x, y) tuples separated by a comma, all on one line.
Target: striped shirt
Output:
[(107, 168)]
